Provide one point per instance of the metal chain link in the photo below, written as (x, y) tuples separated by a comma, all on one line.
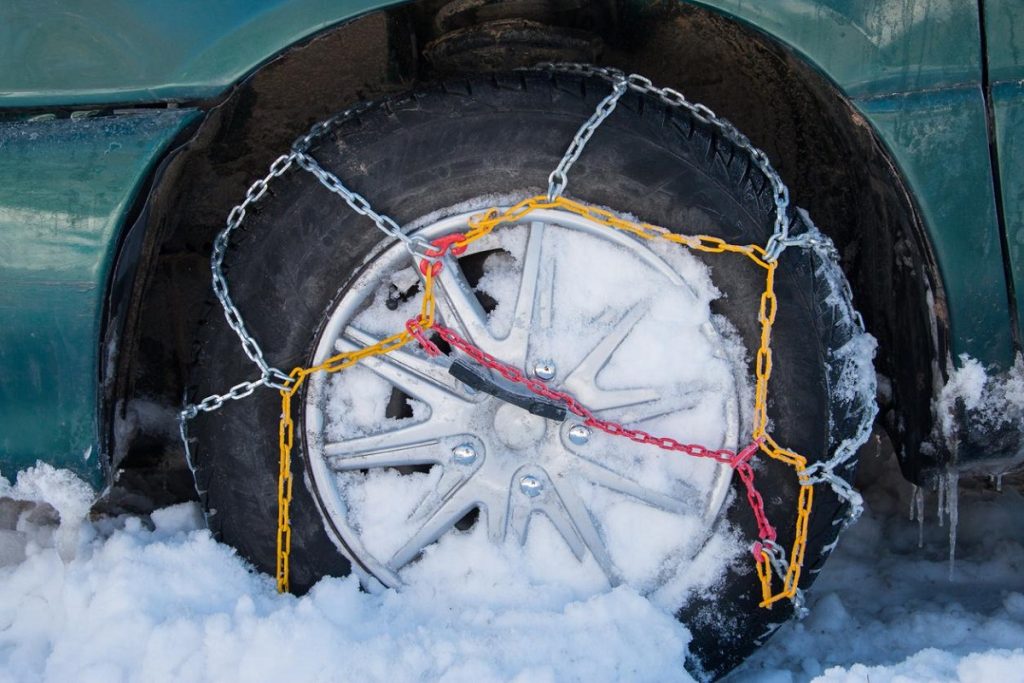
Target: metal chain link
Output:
[(320, 128), (559, 179), (270, 376), (215, 401), (183, 419), (824, 473), (417, 246), (776, 556)]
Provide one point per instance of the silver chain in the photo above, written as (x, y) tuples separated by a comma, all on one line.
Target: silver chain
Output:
[(776, 556), (270, 376), (416, 246), (559, 179), (215, 401), (304, 142), (824, 473), (183, 419), (778, 241)]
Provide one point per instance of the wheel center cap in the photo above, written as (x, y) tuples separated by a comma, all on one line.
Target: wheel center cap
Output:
[(517, 428)]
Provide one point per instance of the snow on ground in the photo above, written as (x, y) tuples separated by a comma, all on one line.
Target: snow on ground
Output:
[(160, 600), (885, 610), (157, 599)]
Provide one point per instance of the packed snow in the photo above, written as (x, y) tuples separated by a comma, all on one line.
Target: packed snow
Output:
[(157, 599), (993, 401)]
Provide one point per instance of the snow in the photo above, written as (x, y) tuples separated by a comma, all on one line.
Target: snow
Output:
[(992, 400), (885, 609), (157, 599), (663, 292), (60, 491), (165, 602)]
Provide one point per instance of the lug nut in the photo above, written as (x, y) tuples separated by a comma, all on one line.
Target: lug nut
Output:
[(531, 486), (579, 434), (544, 369), (464, 454)]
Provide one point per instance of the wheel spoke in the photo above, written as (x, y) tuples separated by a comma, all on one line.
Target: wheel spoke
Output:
[(401, 457), (519, 519), (638, 411), (544, 302), (563, 523), (582, 381), (497, 511), (582, 523), (420, 435), (513, 348), (460, 307), (602, 476), (415, 376), (437, 521), (452, 477), (614, 399), (592, 364)]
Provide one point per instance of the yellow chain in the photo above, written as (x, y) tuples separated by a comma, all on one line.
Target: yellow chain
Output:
[(286, 429), (482, 225)]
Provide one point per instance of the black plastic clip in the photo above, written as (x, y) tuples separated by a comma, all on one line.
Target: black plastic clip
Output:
[(527, 401)]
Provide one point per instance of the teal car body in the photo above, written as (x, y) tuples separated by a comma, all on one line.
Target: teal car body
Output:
[(93, 97)]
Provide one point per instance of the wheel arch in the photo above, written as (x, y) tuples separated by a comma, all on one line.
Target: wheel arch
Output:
[(853, 189)]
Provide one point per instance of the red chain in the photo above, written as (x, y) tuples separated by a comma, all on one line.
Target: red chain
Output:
[(416, 330), (738, 460)]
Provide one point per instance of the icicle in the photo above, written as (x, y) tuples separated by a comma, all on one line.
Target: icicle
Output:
[(999, 483), (916, 511), (952, 509), (919, 504), (942, 501)]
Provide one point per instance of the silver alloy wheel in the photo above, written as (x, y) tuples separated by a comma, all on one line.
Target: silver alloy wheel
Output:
[(462, 451)]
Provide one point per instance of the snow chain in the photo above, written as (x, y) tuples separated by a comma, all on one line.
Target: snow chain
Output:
[(770, 558)]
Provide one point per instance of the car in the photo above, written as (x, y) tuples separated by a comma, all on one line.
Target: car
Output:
[(597, 250)]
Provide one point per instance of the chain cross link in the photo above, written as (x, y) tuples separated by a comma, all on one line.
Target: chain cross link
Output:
[(270, 376), (559, 179), (640, 84), (417, 246)]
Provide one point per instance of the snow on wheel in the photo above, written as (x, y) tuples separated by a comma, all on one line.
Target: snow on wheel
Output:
[(402, 454), (408, 472)]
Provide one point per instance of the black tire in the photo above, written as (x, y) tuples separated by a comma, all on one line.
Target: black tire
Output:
[(458, 140)]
